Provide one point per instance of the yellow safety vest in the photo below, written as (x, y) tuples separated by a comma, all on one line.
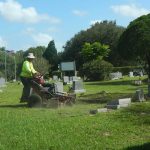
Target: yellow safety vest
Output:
[(27, 69)]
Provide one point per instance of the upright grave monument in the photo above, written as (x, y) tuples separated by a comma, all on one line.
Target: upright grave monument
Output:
[(131, 74), (58, 87), (2, 82), (77, 86), (124, 102), (115, 75), (66, 79), (139, 95), (55, 78)]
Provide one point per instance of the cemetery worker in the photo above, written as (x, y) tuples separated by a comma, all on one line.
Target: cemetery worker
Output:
[(26, 75)]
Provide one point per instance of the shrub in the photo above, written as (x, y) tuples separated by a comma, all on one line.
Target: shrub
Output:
[(97, 70)]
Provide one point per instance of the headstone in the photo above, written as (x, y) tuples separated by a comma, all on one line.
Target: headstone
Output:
[(14, 80), (58, 87), (2, 82), (141, 74), (66, 79), (78, 86), (71, 79), (100, 110), (55, 78), (124, 102), (137, 82), (115, 75), (131, 74), (75, 78), (139, 95)]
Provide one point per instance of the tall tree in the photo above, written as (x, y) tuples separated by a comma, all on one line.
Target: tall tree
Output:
[(7, 64), (134, 44), (50, 54), (106, 32)]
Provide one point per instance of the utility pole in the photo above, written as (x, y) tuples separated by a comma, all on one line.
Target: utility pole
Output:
[(5, 66), (15, 66)]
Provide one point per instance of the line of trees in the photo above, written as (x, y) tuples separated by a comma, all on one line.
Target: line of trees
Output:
[(42, 63), (96, 50)]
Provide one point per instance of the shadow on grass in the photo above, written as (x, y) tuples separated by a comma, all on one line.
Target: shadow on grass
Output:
[(138, 113), (126, 82), (139, 108), (145, 146), (102, 97), (13, 106), (137, 87)]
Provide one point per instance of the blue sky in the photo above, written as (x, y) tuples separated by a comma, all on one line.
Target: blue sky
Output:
[(30, 23)]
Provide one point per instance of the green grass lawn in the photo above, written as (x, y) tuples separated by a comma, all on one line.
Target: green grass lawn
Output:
[(74, 128)]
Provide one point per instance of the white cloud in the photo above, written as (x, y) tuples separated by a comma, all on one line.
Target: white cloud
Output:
[(3, 43), (129, 10), (13, 11), (79, 13), (95, 21), (41, 38)]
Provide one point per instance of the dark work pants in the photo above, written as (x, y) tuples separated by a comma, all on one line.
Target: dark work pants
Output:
[(26, 89)]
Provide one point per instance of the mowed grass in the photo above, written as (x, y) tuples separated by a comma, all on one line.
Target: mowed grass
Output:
[(74, 128)]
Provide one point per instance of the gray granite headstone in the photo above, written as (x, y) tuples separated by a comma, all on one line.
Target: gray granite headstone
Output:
[(100, 110), (78, 86), (66, 79), (139, 95), (71, 79), (124, 102), (58, 87), (137, 82), (115, 75), (75, 78), (131, 74), (55, 78), (141, 73), (2, 82)]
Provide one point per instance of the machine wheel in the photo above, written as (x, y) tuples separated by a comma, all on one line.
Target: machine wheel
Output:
[(35, 101)]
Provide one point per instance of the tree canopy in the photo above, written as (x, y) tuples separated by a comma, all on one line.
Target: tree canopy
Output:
[(94, 50), (134, 44), (106, 32)]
